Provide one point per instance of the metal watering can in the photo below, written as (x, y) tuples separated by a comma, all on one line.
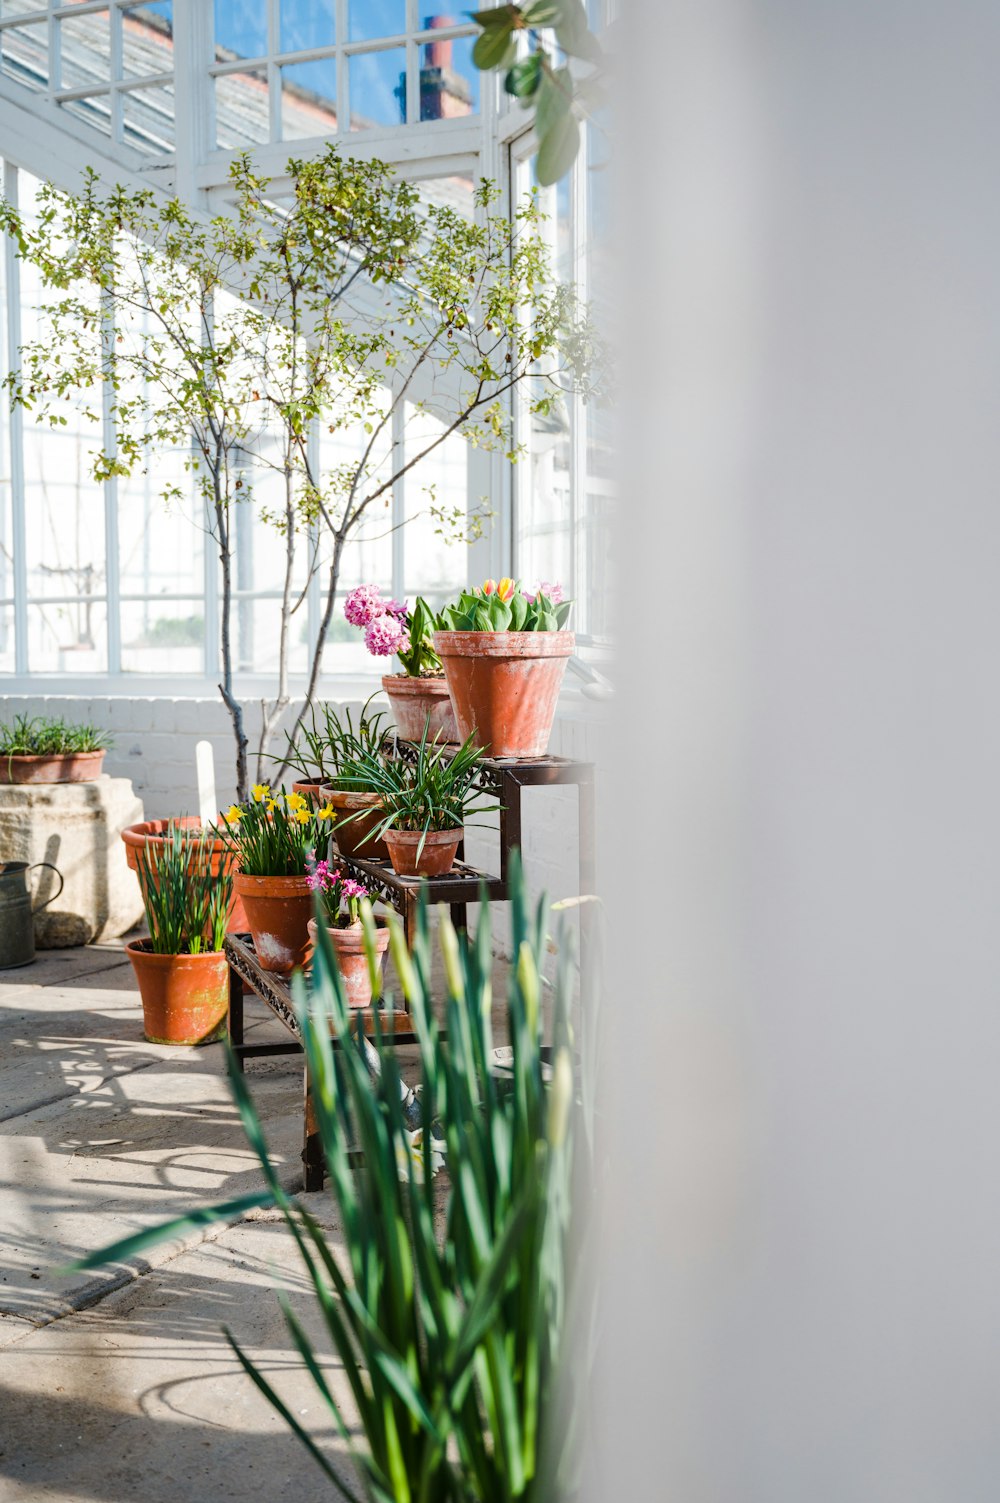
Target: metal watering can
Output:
[(17, 927)]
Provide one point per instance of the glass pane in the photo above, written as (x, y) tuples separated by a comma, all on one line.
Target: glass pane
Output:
[(11, 8), (240, 29), (64, 512), (7, 661), (24, 55), (435, 492), (307, 23), (148, 40), (161, 545), (367, 558), (163, 636), (308, 99), (148, 119), (85, 49), (369, 19), (449, 80), (68, 637), (94, 111), (241, 109), (378, 88)]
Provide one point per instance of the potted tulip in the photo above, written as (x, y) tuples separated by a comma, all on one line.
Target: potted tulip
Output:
[(340, 899), (504, 655), (419, 695), (275, 836), (37, 750), (181, 970), (425, 801)]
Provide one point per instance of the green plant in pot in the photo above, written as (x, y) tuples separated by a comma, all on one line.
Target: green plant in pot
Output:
[(419, 695), (339, 897), (183, 975), (37, 749), (328, 741), (276, 837), (504, 653), (426, 799)]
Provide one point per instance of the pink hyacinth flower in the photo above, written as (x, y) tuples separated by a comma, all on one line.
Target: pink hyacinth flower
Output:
[(364, 605), (383, 636)]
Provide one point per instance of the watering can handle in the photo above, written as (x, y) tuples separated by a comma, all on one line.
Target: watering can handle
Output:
[(48, 867)]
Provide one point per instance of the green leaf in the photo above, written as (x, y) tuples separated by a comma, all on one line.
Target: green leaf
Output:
[(525, 76), (500, 614), (557, 151), (495, 48), (127, 1247), (518, 613), (554, 97)]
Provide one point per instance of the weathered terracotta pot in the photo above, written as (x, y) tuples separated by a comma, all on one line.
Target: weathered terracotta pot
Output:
[(349, 947), (185, 998), (311, 791), (278, 911), (436, 859), (504, 686), (151, 833), (353, 839), (420, 704), (71, 767)]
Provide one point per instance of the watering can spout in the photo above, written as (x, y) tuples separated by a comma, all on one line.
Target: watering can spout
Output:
[(17, 925)]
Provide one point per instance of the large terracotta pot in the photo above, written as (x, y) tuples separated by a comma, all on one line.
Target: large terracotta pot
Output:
[(151, 833), (420, 704), (437, 856), (353, 839), (68, 767), (349, 947), (278, 911), (185, 998), (504, 686)]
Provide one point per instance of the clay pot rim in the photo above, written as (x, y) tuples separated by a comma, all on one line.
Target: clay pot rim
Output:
[(157, 957), (505, 644), (290, 886), (25, 761), (148, 836), (407, 683), (370, 800)]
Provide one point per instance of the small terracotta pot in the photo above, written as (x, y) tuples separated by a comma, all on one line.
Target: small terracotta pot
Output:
[(151, 834), (278, 911), (313, 792), (349, 947), (185, 998), (353, 839), (504, 686), (420, 704), (70, 767), (436, 859)]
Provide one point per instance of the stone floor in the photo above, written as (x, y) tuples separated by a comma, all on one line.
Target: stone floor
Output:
[(121, 1385)]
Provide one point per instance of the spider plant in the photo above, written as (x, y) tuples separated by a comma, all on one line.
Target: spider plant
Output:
[(331, 739), (186, 904), (434, 789), (453, 1344), (49, 736)]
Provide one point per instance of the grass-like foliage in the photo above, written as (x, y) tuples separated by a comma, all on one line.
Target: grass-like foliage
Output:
[(330, 739), (433, 789), (46, 736), (186, 905), (451, 1339)]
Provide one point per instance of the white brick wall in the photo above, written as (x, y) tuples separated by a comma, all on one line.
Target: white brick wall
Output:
[(154, 746)]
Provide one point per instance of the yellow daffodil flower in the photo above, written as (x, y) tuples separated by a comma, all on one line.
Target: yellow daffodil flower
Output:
[(272, 804), (260, 792), (303, 816), (325, 813), (295, 801), (234, 814)]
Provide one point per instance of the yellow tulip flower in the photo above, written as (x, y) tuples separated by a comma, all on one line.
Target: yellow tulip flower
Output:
[(505, 588)]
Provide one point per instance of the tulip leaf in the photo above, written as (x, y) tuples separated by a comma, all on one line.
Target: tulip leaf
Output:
[(518, 612)]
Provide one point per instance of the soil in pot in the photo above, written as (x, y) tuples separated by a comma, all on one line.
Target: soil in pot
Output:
[(152, 832), (505, 685), (436, 858), (349, 947), (353, 838), (185, 998), (61, 767), (278, 911), (419, 705)]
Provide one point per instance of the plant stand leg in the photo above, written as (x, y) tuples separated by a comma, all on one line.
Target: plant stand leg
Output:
[(236, 1018), (312, 1151)]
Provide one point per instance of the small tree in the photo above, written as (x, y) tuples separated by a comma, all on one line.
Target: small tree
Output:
[(335, 303)]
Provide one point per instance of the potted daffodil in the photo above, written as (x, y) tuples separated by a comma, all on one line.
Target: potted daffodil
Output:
[(504, 654), (275, 837), (419, 695)]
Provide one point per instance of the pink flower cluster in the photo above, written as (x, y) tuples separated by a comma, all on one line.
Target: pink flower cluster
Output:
[(552, 592), (384, 622)]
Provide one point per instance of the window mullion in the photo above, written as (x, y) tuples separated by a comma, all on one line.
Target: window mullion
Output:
[(398, 502), (110, 487), (16, 430)]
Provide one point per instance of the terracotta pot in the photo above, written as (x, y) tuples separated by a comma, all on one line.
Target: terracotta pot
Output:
[(353, 839), (278, 911), (420, 704), (185, 998), (436, 859), (504, 686), (313, 792), (349, 946), (151, 834), (71, 767)]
